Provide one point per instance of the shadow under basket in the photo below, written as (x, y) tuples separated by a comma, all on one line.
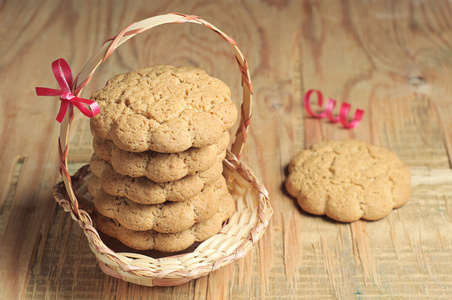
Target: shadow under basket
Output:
[(238, 235), (151, 268)]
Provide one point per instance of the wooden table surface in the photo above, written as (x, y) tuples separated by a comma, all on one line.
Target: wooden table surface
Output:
[(392, 59)]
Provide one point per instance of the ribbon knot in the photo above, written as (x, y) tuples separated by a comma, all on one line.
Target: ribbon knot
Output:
[(63, 75), (67, 96)]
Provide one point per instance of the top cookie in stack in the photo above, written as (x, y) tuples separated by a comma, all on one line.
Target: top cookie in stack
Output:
[(163, 109), (159, 140)]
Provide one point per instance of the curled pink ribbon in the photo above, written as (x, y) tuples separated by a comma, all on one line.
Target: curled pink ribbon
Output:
[(63, 75), (329, 107)]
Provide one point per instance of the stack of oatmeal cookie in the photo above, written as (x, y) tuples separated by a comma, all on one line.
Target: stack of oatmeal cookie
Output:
[(159, 142)]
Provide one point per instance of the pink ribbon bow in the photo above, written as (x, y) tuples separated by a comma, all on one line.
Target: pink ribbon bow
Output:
[(329, 107), (63, 75)]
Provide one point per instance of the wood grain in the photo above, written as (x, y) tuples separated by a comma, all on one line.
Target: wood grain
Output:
[(391, 58)]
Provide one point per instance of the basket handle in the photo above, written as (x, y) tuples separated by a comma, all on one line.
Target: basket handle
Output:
[(84, 77)]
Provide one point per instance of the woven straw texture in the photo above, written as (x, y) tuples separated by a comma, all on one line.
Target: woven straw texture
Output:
[(239, 234)]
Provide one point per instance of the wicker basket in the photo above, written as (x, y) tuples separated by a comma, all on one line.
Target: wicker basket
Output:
[(238, 235)]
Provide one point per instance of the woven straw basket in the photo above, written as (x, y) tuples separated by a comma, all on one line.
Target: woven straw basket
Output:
[(239, 234)]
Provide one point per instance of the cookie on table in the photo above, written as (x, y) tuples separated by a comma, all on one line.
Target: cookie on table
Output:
[(161, 167), (145, 191), (164, 109), (170, 217), (167, 242), (348, 180)]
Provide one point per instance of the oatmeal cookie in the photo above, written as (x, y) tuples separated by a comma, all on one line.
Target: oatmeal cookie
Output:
[(164, 109), (167, 242), (161, 167), (145, 191), (170, 217), (348, 180)]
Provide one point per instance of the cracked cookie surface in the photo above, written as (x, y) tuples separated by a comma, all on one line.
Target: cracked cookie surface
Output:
[(145, 191), (164, 109), (161, 167), (348, 180), (167, 242)]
